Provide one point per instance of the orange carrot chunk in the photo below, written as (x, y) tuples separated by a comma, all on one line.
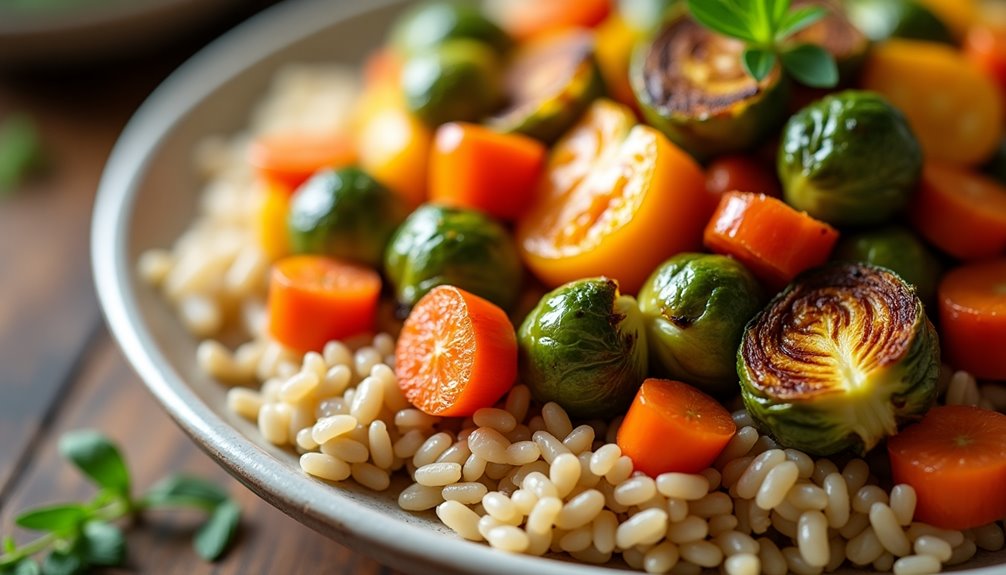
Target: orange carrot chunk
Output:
[(523, 19), (457, 353), (961, 212), (315, 299), (772, 239), (955, 459), (290, 159), (973, 318), (671, 426), (474, 167)]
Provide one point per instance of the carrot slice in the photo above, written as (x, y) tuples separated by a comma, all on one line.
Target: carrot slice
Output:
[(973, 318), (315, 299), (457, 353), (961, 212), (955, 459), (671, 426), (523, 19), (290, 159), (772, 239), (270, 223)]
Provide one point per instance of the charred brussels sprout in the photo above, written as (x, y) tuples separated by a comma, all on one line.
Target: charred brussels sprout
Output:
[(883, 19), (897, 249), (459, 80), (690, 84), (695, 307), (849, 159), (839, 360), (840, 37), (446, 246), (584, 347), (549, 84), (433, 23), (344, 213)]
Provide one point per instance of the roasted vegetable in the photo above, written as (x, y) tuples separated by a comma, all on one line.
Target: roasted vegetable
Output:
[(898, 249), (972, 303), (584, 347), (459, 80), (883, 19), (695, 307), (849, 159), (839, 359), (446, 246), (431, 24), (836, 34), (549, 83), (345, 214), (690, 84)]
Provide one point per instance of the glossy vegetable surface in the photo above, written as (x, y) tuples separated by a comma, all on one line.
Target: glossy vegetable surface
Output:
[(475, 167), (771, 239), (457, 353), (695, 307), (955, 459), (525, 19), (270, 222), (288, 160), (584, 347), (849, 159), (394, 147), (611, 189), (898, 249), (430, 24), (738, 173), (438, 245), (911, 19), (315, 299), (690, 85), (673, 427), (972, 303), (839, 360), (345, 214), (458, 81)]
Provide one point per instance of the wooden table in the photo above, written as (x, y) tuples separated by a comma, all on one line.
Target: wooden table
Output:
[(60, 369)]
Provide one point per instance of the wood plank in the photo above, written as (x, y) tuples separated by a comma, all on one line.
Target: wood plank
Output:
[(107, 396)]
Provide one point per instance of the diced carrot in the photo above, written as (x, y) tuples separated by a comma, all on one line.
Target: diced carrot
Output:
[(671, 426), (955, 459), (961, 212), (315, 299), (739, 173), (772, 239), (394, 146), (523, 19), (270, 225), (290, 159), (973, 318), (472, 166), (457, 353)]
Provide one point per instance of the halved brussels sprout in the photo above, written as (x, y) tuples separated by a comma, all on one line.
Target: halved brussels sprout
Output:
[(849, 159), (839, 360), (690, 84), (696, 307), (898, 249), (883, 19), (438, 245), (457, 81), (430, 24), (840, 37), (584, 347), (549, 83), (346, 214)]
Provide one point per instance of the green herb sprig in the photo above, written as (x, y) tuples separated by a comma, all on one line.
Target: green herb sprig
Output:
[(766, 26), (79, 536)]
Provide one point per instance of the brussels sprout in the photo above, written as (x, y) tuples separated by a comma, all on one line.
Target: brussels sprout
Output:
[(898, 249), (431, 24), (344, 213), (550, 82), (883, 19), (584, 347), (695, 307), (456, 81), (690, 84), (849, 159), (464, 248), (836, 34), (839, 360)]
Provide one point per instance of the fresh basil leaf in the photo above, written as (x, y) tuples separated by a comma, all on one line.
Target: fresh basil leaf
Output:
[(778, 9), (723, 16), (215, 535), (103, 544), (63, 563), (765, 16), (98, 458), (811, 65), (759, 63), (185, 491), (60, 518), (799, 19), (26, 566)]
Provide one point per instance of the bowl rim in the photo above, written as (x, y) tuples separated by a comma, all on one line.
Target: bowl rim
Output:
[(311, 501)]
